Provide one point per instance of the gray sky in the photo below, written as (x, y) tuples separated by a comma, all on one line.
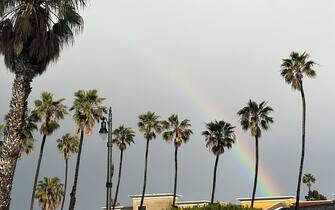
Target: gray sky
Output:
[(202, 60)]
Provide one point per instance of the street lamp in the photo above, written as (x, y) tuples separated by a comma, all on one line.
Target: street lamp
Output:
[(106, 132)]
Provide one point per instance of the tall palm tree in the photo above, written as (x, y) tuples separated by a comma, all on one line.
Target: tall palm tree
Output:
[(32, 34), (67, 145), (255, 117), (49, 112), (219, 136), (123, 137), (308, 179), (149, 125), (88, 110), (293, 69), (49, 193), (178, 132)]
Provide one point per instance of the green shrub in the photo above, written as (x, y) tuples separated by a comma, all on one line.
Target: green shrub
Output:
[(219, 207)]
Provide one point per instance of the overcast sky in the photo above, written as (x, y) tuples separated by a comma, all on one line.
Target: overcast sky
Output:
[(202, 59)]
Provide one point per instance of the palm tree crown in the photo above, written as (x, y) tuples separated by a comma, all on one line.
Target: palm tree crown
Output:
[(219, 135), (149, 125), (123, 137), (88, 109), (49, 193), (67, 145), (176, 131), (2, 126), (295, 67), (35, 31), (308, 179), (49, 112), (255, 117)]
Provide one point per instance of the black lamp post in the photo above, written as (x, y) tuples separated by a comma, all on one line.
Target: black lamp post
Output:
[(106, 131)]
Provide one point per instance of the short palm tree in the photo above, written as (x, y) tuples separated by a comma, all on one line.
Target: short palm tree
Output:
[(49, 112), (67, 145), (149, 125), (308, 179), (30, 125), (255, 117), (28, 141), (32, 34), (49, 193), (178, 133), (219, 136), (88, 110), (2, 126), (293, 69), (123, 137)]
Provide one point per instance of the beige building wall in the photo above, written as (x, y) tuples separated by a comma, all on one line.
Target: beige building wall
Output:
[(154, 202)]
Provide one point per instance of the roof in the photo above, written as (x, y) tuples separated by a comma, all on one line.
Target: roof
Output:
[(267, 198), (192, 202), (155, 195)]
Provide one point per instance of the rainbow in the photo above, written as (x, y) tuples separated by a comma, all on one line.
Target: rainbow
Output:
[(266, 185)]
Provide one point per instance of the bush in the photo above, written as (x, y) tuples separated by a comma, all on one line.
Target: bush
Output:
[(218, 207)]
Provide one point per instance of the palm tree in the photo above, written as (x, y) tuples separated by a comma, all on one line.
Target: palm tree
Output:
[(308, 179), (293, 69), (67, 145), (28, 141), (88, 110), (49, 112), (123, 137), (30, 125), (178, 132), (149, 125), (49, 193), (32, 34), (1, 130), (219, 135), (255, 117)]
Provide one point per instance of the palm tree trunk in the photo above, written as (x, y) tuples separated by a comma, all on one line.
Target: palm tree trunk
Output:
[(75, 181), (145, 174), (11, 147), (214, 177), (175, 175), (256, 174), (37, 172), (118, 181), (65, 182), (303, 145)]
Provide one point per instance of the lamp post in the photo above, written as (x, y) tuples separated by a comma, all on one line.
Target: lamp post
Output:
[(106, 131)]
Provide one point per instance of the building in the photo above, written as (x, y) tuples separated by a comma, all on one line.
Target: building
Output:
[(286, 203), (161, 201), (269, 203)]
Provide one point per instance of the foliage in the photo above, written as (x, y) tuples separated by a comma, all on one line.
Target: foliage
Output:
[(2, 126), (315, 196), (176, 131), (29, 126), (123, 137), (37, 30), (218, 207), (67, 145), (149, 125), (255, 117), (308, 179), (219, 135), (49, 193), (88, 109), (49, 111), (295, 67)]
